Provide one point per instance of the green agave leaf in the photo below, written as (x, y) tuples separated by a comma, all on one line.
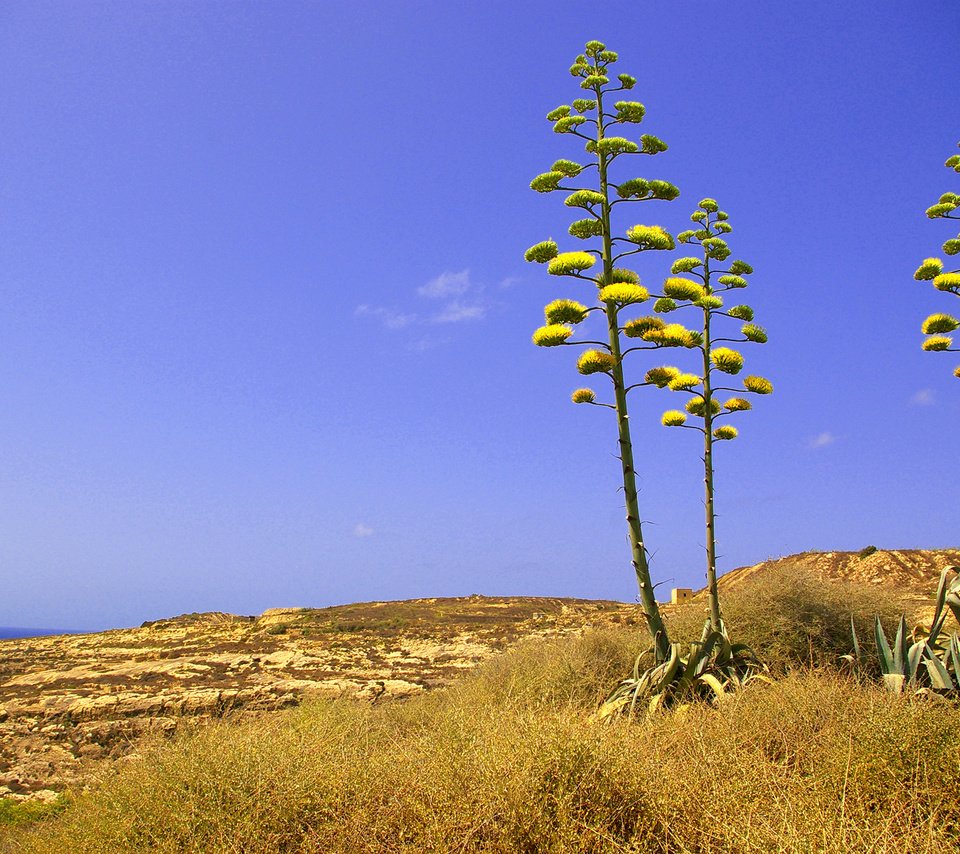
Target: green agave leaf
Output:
[(901, 651), (857, 652), (954, 649), (914, 656), (883, 651), (939, 677), (953, 592), (655, 703), (714, 684), (939, 615)]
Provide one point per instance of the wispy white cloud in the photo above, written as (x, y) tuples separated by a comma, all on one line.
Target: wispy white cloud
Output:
[(361, 530), (459, 299), (822, 440), (924, 397), (510, 281), (447, 284), (455, 311), (390, 318)]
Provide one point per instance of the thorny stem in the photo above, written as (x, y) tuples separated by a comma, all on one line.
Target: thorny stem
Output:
[(641, 567), (712, 595)]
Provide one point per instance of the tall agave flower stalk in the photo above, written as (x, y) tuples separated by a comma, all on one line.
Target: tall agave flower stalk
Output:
[(936, 325), (596, 120), (705, 292)]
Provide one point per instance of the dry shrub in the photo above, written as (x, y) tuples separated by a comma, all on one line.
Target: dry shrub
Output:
[(507, 761), (792, 618)]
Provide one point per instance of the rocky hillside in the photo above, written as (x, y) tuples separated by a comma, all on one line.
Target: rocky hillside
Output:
[(69, 704)]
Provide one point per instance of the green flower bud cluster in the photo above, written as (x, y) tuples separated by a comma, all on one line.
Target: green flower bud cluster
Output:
[(662, 375), (733, 281), (952, 246), (547, 182), (560, 112), (623, 293), (584, 105), (650, 237), (741, 312), (595, 362), (685, 265), (618, 274), (641, 188), (945, 206), (947, 282), (740, 268), (758, 385), (541, 252), (698, 406), (709, 301), (611, 146), (938, 323), (570, 263), (673, 335), (726, 360), (552, 335), (640, 326), (567, 168), (664, 305), (584, 199), (938, 342), (586, 228), (630, 111), (650, 144), (568, 124), (754, 333), (684, 382), (565, 311), (683, 289)]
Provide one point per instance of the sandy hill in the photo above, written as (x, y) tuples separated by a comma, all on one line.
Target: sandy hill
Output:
[(910, 573)]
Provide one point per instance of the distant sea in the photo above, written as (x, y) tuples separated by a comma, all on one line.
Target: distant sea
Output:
[(7, 632)]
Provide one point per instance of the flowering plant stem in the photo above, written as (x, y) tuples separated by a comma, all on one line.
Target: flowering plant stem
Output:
[(713, 596), (641, 567)]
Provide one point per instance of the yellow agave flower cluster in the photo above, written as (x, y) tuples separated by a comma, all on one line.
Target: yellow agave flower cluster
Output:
[(682, 290), (936, 326)]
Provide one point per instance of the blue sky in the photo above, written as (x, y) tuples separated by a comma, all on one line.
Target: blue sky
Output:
[(264, 317)]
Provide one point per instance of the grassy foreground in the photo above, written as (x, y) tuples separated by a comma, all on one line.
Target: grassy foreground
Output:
[(507, 761)]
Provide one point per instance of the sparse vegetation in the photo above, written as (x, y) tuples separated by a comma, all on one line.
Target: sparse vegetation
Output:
[(506, 761)]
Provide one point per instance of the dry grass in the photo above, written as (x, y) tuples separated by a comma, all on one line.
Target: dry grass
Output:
[(507, 761)]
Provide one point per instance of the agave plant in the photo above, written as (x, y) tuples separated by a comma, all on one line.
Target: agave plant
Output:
[(926, 660), (713, 278), (709, 670), (937, 325), (596, 193)]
